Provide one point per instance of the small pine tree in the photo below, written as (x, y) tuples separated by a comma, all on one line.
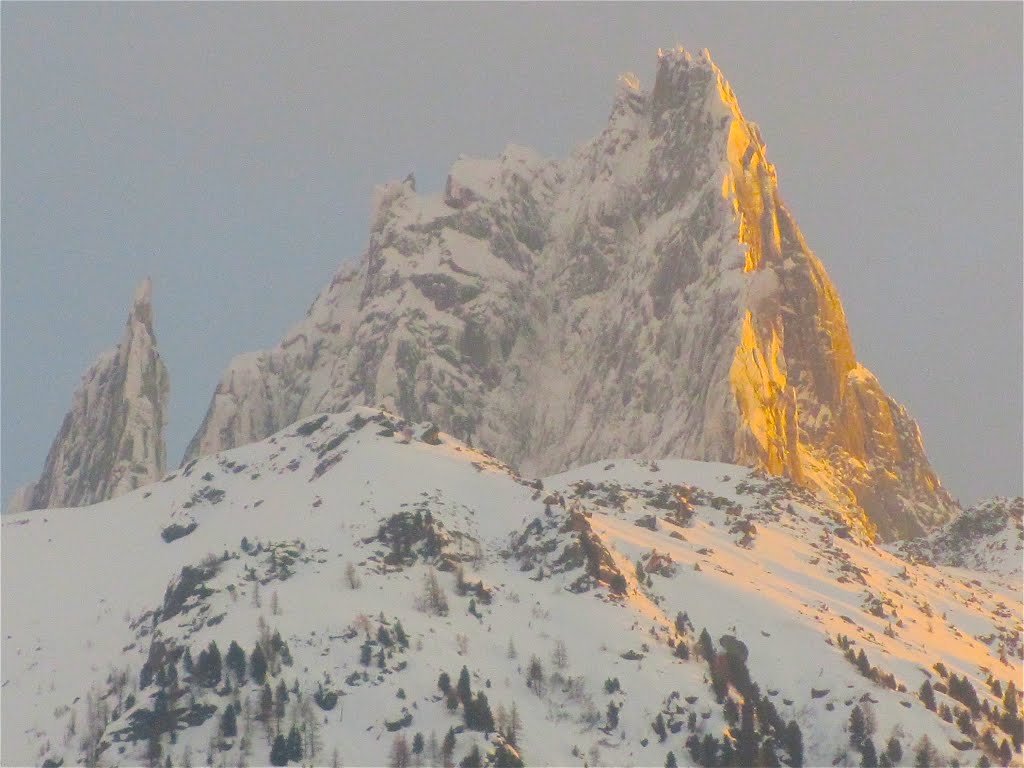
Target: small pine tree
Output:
[(234, 660), (1010, 697), (473, 760), (535, 675), (869, 756), (448, 746), (659, 727), (927, 695), (280, 700), (229, 723), (294, 744), (400, 636), (515, 726), (857, 728), (863, 665), (258, 665), (417, 743), (707, 648), (463, 688), (894, 750), (612, 716), (444, 683), (399, 757), (925, 755), (793, 741), (560, 656), (670, 760), (1005, 753), (279, 752), (266, 703)]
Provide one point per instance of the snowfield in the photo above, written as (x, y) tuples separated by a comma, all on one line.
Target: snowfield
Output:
[(348, 518)]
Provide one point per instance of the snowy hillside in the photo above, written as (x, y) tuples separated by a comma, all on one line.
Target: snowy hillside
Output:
[(356, 561), (988, 536)]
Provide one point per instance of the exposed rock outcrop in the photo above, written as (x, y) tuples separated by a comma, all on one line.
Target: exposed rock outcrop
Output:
[(112, 439), (650, 296)]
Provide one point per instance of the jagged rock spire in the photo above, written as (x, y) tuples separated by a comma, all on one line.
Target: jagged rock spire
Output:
[(112, 439), (651, 296)]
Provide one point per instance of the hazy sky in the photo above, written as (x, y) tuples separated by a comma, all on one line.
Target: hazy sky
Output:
[(229, 151)]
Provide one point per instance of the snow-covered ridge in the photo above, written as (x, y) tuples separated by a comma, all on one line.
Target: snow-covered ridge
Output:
[(988, 536), (648, 296), (112, 439), (365, 556)]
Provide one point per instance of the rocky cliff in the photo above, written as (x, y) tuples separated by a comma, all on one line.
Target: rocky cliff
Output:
[(112, 439), (649, 296)]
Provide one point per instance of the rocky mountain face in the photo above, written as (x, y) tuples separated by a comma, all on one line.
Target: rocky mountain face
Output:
[(112, 439), (988, 536), (360, 590), (649, 296)]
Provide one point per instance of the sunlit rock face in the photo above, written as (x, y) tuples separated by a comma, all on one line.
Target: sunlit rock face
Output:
[(650, 296), (112, 440)]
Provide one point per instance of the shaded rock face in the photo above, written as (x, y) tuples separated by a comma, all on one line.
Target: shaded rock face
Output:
[(650, 296), (112, 439)]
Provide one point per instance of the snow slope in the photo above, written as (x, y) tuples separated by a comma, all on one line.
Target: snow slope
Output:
[(988, 536), (90, 595)]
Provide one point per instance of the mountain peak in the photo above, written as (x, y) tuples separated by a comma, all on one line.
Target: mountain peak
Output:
[(650, 296), (142, 304), (111, 440)]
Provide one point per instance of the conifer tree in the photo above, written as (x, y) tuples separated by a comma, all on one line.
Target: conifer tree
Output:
[(925, 755), (463, 688), (258, 665), (228, 723), (448, 746), (612, 716), (473, 760), (927, 695), (659, 727), (294, 744), (869, 757), (794, 744), (280, 700), (279, 752), (746, 743), (399, 757), (266, 703), (515, 726), (894, 750), (234, 660), (707, 648), (400, 636), (857, 729)]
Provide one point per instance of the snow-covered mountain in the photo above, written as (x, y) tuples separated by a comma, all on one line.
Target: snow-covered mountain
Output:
[(611, 614), (649, 296), (988, 536), (112, 439)]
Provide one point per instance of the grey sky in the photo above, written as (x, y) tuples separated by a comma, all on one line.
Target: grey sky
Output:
[(229, 151)]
